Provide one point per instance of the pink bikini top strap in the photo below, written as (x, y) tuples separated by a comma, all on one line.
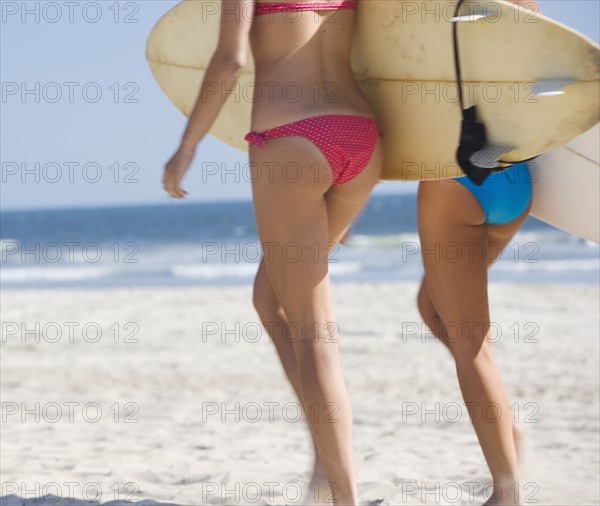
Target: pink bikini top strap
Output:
[(273, 7)]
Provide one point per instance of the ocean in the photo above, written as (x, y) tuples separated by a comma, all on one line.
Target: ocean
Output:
[(181, 244)]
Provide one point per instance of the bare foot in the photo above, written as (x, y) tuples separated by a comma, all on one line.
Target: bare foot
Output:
[(318, 492), (509, 495), (504, 498)]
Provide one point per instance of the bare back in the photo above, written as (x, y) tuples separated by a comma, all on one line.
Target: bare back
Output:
[(302, 62)]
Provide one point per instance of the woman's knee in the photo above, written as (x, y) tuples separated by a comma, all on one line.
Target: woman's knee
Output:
[(426, 308), (317, 355), (467, 344), (265, 302)]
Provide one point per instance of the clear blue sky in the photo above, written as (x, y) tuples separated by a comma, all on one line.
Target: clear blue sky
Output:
[(123, 140)]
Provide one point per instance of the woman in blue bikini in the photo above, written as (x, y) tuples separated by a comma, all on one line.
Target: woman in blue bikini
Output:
[(453, 299)]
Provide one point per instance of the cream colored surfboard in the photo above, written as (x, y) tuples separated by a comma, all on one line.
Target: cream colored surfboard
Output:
[(566, 186), (402, 56)]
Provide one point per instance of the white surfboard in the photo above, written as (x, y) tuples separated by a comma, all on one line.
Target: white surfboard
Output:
[(534, 80), (566, 186)]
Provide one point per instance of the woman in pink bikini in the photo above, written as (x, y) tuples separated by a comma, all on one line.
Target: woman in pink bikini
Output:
[(315, 156)]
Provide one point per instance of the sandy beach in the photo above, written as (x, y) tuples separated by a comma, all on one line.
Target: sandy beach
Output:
[(175, 396)]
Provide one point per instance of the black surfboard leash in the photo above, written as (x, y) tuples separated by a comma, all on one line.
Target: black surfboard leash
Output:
[(473, 136)]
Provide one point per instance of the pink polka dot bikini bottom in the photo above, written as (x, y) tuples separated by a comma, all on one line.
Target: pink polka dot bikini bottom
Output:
[(347, 142)]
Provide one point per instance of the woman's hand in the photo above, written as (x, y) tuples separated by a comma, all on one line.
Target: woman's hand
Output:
[(175, 169)]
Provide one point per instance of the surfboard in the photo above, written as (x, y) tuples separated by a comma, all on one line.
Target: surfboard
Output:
[(534, 80), (566, 186)]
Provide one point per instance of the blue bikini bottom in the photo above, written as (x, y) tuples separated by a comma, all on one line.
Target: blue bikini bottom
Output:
[(504, 196)]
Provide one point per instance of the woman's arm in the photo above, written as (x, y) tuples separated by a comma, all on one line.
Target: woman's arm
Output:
[(223, 72)]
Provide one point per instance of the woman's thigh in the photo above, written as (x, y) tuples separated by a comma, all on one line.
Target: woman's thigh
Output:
[(458, 248), (299, 214)]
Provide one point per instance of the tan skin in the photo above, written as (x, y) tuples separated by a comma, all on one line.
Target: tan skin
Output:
[(453, 295), (312, 53), (299, 293)]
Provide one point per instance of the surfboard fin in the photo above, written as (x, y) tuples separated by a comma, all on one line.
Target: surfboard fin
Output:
[(550, 88), (470, 17), (475, 157), (489, 157)]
